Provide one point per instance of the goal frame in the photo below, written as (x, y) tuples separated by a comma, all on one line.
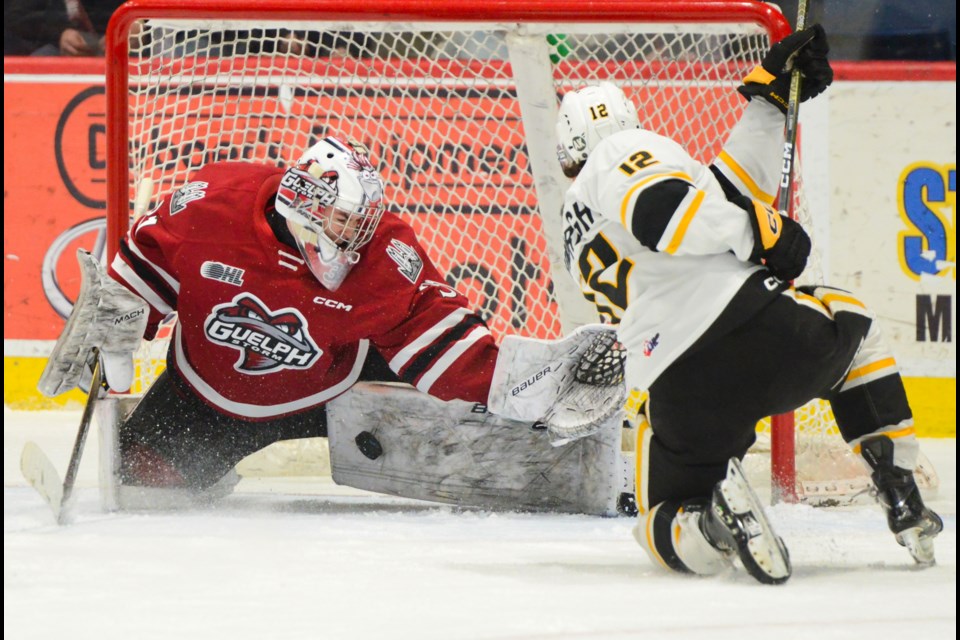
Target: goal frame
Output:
[(465, 11), (783, 470)]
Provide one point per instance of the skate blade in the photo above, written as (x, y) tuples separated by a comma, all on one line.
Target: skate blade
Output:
[(919, 546), (769, 560)]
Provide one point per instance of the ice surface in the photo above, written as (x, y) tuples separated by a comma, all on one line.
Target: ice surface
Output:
[(308, 559)]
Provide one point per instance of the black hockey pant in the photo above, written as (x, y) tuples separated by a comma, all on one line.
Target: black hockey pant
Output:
[(704, 408)]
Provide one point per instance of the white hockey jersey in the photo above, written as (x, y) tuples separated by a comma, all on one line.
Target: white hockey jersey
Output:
[(653, 241)]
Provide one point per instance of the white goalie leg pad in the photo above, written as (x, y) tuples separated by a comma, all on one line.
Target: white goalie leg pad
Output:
[(572, 385), (107, 318), (393, 439), (111, 412)]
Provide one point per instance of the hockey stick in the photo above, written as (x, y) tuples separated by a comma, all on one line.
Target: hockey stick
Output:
[(782, 438), (40, 472), (790, 134)]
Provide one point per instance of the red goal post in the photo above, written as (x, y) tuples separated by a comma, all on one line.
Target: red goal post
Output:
[(456, 101)]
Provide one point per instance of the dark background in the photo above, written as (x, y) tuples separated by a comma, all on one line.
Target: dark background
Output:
[(883, 29)]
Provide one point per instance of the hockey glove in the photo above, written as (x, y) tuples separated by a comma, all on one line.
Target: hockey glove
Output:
[(107, 319), (780, 242), (807, 50), (573, 385)]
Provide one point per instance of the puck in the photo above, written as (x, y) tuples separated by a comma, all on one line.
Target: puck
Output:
[(369, 445), (627, 504)]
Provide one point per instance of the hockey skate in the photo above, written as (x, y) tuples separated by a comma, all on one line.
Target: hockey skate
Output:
[(736, 522), (912, 523)]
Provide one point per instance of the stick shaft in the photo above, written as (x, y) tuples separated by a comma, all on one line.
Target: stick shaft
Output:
[(70, 479), (790, 135)]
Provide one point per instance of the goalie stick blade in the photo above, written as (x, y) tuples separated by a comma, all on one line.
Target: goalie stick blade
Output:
[(42, 476)]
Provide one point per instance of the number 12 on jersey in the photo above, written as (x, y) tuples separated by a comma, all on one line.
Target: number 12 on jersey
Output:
[(595, 259), (637, 161)]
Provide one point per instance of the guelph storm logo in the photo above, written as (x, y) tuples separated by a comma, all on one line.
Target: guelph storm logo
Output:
[(306, 182), (268, 341)]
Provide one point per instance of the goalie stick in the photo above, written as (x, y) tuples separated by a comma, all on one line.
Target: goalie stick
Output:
[(40, 472)]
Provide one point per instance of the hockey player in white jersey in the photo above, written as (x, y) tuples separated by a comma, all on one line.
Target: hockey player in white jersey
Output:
[(694, 266)]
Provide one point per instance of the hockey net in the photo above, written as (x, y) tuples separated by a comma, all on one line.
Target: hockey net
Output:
[(456, 102)]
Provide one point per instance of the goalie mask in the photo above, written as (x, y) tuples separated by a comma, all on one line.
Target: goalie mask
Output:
[(333, 201), (586, 117)]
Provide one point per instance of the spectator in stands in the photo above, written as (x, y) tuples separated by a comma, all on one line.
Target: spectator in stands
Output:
[(56, 27)]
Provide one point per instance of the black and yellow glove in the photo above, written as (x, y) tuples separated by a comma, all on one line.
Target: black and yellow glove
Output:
[(807, 51), (780, 242)]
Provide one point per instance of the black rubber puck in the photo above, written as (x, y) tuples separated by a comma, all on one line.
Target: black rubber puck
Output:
[(627, 504), (369, 445)]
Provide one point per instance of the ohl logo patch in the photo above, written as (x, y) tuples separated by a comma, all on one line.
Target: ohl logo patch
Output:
[(268, 341)]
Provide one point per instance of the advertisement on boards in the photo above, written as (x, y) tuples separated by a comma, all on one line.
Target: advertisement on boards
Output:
[(893, 215), (54, 201)]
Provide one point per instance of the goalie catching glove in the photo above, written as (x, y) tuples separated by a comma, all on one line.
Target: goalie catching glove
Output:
[(573, 385), (108, 320), (807, 51), (780, 242)]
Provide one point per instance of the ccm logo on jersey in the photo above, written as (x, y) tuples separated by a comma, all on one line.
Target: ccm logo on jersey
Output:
[(333, 304), (128, 317), (529, 382)]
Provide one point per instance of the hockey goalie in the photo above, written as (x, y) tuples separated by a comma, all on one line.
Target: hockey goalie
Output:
[(292, 286)]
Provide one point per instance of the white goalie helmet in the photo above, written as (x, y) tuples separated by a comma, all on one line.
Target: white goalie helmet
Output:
[(332, 199), (586, 117)]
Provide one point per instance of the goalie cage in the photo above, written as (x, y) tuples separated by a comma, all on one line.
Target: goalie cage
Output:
[(456, 101)]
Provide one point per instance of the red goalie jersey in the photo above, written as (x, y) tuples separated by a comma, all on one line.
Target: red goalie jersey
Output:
[(259, 337)]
